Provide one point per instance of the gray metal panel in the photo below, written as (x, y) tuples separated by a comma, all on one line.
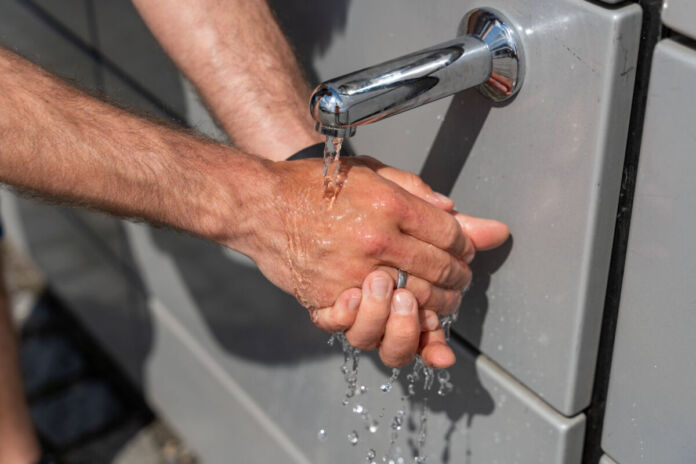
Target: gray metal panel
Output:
[(606, 460), (73, 14), (289, 383), (680, 15), (24, 33), (124, 39), (651, 412), (548, 164)]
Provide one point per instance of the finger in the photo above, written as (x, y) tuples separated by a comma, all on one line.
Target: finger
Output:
[(428, 320), (402, 332), (434, 226), (484, 233), (430, 297), (428, 262), (414, 185), (434, 349), (368, 328), (341, 315)]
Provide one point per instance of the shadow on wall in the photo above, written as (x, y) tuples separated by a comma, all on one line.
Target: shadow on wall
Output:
[(311, 26)]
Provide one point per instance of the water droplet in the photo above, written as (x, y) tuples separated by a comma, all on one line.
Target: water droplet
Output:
[(371, 454), (345, 402), (373, 426), (321, 435), (363, 389), (446, 386), (353, 438), (358, 409)]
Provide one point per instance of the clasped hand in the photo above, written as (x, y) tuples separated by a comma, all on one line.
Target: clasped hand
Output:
[(339, 255)]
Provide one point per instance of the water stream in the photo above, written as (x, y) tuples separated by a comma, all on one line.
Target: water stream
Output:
[(419, 373)]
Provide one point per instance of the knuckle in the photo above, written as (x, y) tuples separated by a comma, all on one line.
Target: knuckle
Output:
[(452, 232), (388, 202), (454, 299), (467, 277), (395, 360), (416, 182), (339, 322), (425, 296), (360, 343), (444, 271), (374, 242)]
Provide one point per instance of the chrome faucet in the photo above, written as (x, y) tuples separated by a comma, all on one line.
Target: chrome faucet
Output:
[(487, 53)]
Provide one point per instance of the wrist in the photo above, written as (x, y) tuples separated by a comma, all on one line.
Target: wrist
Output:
[(237, 190)]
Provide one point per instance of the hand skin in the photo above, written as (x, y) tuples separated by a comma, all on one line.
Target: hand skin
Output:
[(365, 318), (370, 320)]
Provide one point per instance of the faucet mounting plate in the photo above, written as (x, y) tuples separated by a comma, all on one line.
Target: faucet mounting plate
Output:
[(507, 66)]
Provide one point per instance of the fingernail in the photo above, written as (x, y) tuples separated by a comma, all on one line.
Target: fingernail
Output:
[(403, 303), (442, 198), (379, 287), (354, 302)]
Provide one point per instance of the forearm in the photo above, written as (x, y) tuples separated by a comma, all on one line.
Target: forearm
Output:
[(65, 145), (238, 58)]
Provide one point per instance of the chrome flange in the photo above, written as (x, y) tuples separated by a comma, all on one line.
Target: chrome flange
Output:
[(507, 66)]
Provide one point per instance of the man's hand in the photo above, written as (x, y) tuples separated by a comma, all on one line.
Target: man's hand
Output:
[(392, 321), (315, 247)]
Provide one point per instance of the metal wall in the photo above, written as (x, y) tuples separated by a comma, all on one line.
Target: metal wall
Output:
[(234, 364)]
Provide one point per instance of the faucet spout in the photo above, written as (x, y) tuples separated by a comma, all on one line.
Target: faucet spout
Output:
[(489, 56)]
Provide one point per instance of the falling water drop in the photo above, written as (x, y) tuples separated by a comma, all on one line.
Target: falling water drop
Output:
[(321, 435), (371, 454), (443, 378), (387, 387)]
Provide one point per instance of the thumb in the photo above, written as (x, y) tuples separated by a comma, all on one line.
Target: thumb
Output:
[(485, 233)]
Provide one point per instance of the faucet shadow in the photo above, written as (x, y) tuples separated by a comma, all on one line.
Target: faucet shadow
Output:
[(455, 140)]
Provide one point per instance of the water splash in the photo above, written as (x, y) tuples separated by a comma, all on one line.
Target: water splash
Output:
[(321, 435), (446, 323), (387, 387), (422, 434), (349, 368), (443, 378), (371, 455)]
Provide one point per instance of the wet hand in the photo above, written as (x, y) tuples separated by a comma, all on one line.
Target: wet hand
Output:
[(316, 245), (380, 317)]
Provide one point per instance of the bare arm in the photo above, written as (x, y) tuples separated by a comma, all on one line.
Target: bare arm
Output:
[(66, 145), (238, 58)]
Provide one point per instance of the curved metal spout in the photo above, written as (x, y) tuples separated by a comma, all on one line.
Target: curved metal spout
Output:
[(489, 56)]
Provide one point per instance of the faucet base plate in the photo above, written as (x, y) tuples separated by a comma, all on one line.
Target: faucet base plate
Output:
[(507, 66)]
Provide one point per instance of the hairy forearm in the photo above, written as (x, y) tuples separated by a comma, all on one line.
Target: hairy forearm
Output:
[(67, 146), (241, 63)]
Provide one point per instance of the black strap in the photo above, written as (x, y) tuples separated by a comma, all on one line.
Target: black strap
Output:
[(312, 151), (317, 151)]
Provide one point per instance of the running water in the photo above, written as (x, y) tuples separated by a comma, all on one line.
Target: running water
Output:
[(420, 377), (351, 360), (332, 155)]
